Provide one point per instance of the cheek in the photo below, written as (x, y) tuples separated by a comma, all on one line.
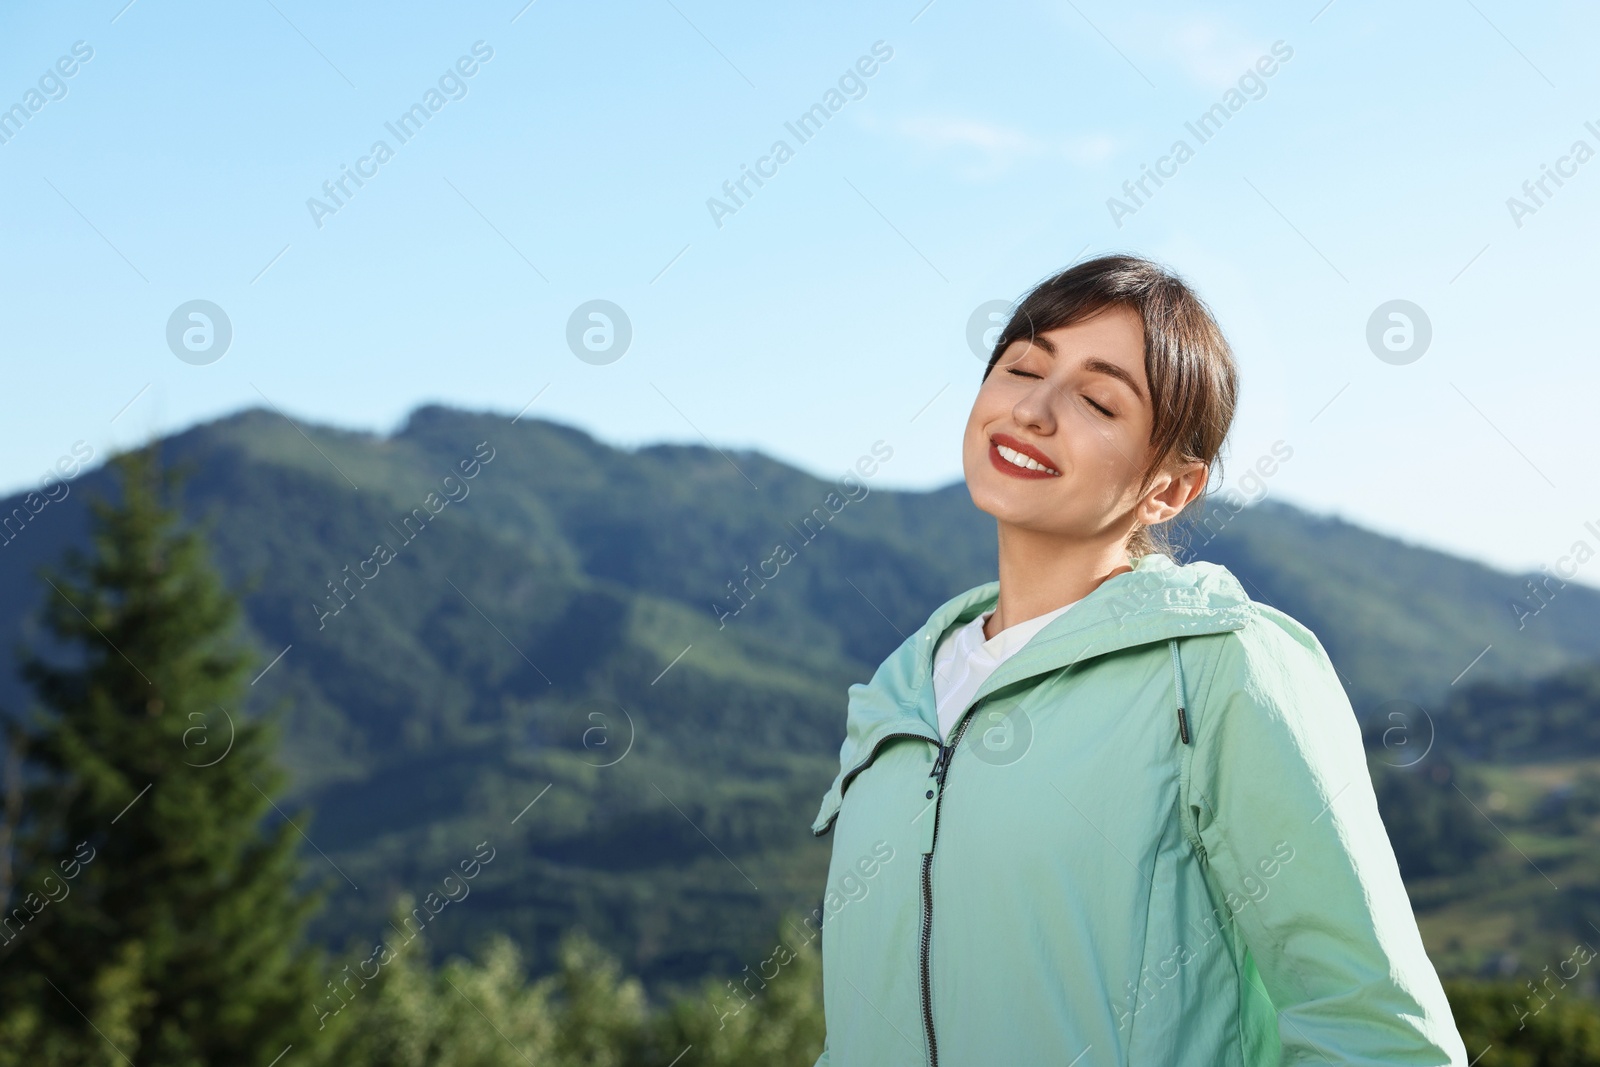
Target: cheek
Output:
[(1114, 439), (973, 448), (1106, 460), (974, 440)]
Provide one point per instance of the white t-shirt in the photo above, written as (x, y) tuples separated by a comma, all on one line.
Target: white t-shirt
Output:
[(964, 660)]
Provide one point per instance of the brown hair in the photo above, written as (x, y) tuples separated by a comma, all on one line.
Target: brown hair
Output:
[(1194, 383)]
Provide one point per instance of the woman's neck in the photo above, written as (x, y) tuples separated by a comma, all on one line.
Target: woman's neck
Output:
[(1042, 572)]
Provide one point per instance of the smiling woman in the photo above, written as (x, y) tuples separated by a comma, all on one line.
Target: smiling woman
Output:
[(1121, 367), (1136, 745)]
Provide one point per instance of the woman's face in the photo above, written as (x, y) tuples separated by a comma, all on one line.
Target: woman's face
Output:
[(1075, 400)]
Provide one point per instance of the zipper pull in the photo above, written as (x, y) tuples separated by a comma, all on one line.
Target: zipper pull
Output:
[(930, 812), (940, 763)]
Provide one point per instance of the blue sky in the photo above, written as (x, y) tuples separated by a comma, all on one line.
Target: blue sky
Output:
[(831, 309)]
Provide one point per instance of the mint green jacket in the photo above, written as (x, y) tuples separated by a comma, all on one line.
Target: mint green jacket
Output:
[(1151, 840)]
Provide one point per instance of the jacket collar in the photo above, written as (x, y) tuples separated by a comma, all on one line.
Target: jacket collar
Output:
[(1156, 601)]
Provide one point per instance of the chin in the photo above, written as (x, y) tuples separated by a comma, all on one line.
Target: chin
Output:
[(980, 503), (992, 499), (982, 496)]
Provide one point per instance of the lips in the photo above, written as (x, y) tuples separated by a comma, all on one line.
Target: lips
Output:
[(1012, 461)]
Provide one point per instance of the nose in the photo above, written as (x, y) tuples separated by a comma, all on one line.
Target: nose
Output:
[(1035, 409)]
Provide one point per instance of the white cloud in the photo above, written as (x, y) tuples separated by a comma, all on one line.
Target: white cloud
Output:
[(954, 132), (1212, 52), (988, 150), (1207, 49)]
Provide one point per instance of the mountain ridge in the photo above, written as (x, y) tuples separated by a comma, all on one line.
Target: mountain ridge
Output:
[(557, 608)]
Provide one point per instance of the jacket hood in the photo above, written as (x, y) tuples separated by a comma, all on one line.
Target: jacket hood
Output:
[(1157, 600)]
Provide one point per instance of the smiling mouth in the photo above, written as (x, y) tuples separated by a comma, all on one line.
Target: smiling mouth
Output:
[(1011, 461)]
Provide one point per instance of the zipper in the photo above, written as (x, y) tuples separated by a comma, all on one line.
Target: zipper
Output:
[(941, 766)]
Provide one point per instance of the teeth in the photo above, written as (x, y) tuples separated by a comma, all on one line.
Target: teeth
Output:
[(1011, 455)]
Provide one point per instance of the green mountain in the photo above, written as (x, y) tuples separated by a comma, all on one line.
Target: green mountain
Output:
[(600, 663)]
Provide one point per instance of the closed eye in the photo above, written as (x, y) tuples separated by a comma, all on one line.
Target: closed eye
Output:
[(1029, 374)]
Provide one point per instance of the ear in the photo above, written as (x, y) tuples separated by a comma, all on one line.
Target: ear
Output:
[(1171, 492)]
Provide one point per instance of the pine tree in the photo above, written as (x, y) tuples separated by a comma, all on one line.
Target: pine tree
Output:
[(153, 917)]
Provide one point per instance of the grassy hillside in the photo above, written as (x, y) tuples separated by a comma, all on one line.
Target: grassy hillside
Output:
[(1401, 622), (1512, 787)]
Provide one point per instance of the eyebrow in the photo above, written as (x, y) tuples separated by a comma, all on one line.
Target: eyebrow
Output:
[(1096, 365)]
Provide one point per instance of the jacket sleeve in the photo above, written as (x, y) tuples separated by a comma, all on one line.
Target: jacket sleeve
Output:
[(1284, 808)]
